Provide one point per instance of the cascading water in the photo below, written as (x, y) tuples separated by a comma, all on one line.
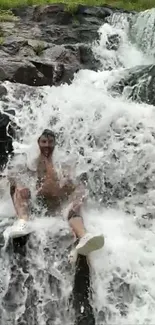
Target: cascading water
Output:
[(118, 143)]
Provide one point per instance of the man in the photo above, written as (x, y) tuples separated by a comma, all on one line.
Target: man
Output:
[(52, 192)]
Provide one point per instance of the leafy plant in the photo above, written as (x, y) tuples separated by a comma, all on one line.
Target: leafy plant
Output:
[(1, 40), (38, 48), (7, 15)]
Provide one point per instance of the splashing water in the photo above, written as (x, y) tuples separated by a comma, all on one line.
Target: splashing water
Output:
[(144, 36), (118, 142)]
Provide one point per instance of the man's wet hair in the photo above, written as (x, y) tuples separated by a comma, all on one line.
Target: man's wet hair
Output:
[(48, 133)]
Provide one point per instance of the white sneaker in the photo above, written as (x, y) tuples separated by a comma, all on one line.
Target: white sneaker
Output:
[(90, 243), (19, 229)]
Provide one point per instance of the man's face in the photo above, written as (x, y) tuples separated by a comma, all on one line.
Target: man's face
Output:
[(46, 145)]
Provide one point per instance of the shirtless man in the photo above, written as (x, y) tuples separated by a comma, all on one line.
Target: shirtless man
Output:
[(52, 195)]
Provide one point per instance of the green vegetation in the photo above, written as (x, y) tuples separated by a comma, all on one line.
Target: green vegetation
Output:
[(71, 5), (38, 49), (7, 15), (1, 36), (1, 41), (1, 32)]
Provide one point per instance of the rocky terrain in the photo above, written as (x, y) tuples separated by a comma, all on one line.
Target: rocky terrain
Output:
[(47, 46)]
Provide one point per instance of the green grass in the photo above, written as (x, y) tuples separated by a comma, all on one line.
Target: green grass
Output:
[(1, 41), (7, 15), (38, 49), (71, 5)]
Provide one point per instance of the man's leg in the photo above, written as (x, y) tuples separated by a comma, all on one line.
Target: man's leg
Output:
[(20, 197), (87, 241), (76, 222)]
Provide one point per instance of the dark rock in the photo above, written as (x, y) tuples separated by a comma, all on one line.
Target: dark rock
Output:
[(52, 66), (73, 35), (82, 294), (53, 73), (13, 44), (63, 54), (113, 42), (42, 289), (54, 24), (3, 54), (23, 12), (3, 75), (3, 91), (66, 61), (27, 74), (22, 72), (87, 58), (27, 51), (6, 133), (56, 13), (38, 46), (49, 44), (95, 11), (138, 84), (18, 46)]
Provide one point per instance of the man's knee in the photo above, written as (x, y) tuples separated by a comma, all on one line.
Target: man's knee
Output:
[(21, 193), (73, 214), (24, 193)]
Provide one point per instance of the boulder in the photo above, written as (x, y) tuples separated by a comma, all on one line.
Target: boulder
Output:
[(138, 84), (48, 44), (22, 72), (26, 63)]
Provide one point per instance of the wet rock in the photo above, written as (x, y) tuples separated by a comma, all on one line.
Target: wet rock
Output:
[(59, 14), (3, 91), (3, 75), (24, 12), (87, 58), (6, 133), (95, 11), (22, 72), (56, 13), (73, 34), (138, 84), (120, 293), (42, 289), (63, 54), (3, 54), (12, 45), (113, 42), (48, 44), (82, 294), (65, 60), (35, 66)]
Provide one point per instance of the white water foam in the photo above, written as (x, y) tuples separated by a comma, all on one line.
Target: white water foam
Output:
[(118, 141), (142, 32)]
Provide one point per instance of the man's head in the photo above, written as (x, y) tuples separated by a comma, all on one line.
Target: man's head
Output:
[(46, 143)]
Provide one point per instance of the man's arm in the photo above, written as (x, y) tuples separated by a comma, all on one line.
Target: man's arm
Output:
[(15, 174), (51, 185), (53, 189)]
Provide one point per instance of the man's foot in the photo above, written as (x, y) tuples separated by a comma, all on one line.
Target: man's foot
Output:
[(89, 243), (86, 245), (19, 229)]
